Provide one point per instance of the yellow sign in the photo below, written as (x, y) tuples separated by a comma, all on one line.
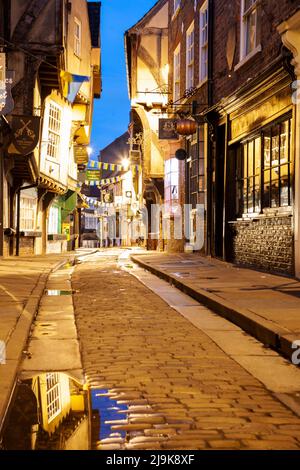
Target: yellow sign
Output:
[(66, 228)]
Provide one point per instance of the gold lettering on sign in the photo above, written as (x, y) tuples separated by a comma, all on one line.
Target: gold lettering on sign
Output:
[(257, 117)]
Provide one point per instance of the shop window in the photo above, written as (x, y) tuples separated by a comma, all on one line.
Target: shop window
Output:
[(54, 128), (176, 74), (90, 222), (204, 42), (264, 170), (249, 27), (190, 57), (53, 221), (171, 183), (277, 165), (53, 396), (77, 37), (27, 214)]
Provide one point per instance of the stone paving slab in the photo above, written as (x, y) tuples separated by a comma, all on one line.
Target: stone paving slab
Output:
[(149, 357), (22, 284), (264, 305)]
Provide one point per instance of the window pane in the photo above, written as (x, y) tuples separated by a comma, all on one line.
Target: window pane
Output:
[(267, 149), (201, 166), (250, 158), (266, 202), (284, 185), (245, 159), (284, 141), (257, 156), (250, 32), (275, 187), (245, 195), (275, 146), (250, 194), (257, 194)]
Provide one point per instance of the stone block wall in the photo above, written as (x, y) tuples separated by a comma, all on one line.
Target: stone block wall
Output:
[(265, 243)]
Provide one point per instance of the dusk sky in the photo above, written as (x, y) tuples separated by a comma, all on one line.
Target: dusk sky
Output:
[(111, 112)]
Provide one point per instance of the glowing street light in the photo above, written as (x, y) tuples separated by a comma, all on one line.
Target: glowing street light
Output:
[(125, 163)]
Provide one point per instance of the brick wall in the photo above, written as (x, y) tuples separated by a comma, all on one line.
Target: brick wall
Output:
[(227, 16), (27, 245), (265, 244)]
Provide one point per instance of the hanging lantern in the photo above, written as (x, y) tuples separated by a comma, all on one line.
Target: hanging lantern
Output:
[(180, 154), (186, 127)]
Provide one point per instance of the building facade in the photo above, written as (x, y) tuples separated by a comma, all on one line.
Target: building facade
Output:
[(232, 70), (146, 46), (54, 63)]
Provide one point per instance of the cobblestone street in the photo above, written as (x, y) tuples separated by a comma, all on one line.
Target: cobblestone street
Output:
[(181, 389)]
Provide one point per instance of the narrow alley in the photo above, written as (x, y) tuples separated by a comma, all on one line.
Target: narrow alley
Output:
[(181, 389)]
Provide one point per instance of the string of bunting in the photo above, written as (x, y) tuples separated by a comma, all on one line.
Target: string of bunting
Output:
[(109, 166), (103, 182), (94, 203)]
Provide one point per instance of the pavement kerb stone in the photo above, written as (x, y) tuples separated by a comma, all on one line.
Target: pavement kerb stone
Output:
[(263, 330), (19, 337)]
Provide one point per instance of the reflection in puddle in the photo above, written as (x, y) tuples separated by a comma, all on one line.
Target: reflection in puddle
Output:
[(48, 412), (109, 411), (55, 292)]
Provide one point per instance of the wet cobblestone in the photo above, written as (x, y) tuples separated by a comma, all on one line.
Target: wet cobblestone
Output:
[(181, 389)]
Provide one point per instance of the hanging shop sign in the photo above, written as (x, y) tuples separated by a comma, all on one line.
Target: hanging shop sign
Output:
[(93, 175), (6, 82), (25, 134), (167, 129), (81, 156)]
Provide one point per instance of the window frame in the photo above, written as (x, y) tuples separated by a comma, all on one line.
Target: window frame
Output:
[(53, 221), (190, 61), (77, 38), (245, 15), (176, 76), (54, 131), (265, 205), (203, 45), (171, 202), (25, 211), (53, 396)]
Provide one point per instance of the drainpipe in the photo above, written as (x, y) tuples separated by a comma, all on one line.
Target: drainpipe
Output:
[(18, 215), (209, 143)]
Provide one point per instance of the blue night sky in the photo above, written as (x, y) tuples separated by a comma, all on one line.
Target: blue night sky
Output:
[(111, 112)]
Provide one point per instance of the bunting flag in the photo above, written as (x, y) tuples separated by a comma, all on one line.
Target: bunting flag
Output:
[(110, 166), (103, 182), (72, 84), (93, 203)]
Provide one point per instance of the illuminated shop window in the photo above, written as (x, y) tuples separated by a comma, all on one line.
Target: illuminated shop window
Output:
[(264, 170), (171, 183), (27, 213)]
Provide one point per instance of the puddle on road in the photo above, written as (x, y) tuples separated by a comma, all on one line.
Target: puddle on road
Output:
[(49, 411), (53, 411), (109, 412), (56, 292)]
